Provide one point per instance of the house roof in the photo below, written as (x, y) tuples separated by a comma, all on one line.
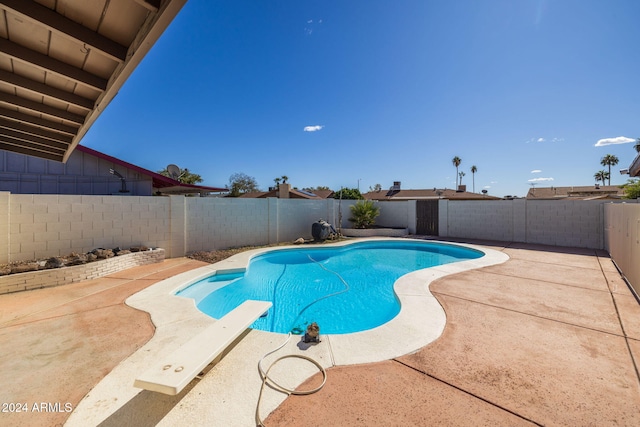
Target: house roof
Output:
[(589, 192), (161, 183), (293, 194), (62, 62), (426, 194)]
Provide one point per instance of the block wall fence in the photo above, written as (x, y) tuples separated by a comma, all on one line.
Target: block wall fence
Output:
[(41, 226)]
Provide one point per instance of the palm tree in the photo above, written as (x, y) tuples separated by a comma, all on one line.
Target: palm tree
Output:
[(609, 160), (601, 176), (456, 162), (461, 174), (277, 181), (474, 169), (284, 179)]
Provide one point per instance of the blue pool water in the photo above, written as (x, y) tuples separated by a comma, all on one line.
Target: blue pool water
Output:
[(344, 289)]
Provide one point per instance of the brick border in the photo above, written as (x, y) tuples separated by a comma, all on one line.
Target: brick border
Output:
[(77, 273)]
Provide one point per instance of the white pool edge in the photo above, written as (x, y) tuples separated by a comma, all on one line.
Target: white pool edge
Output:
[(227, 395)]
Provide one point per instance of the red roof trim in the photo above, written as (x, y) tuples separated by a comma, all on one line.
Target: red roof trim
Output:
[(159, 181)]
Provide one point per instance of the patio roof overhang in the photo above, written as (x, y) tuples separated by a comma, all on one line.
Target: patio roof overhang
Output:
[(634, 168), (63, 61)]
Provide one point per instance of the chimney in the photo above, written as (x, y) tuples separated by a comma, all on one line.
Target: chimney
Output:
[(283, 190)]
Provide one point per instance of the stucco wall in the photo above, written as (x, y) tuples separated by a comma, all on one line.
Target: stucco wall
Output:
[(622, 239), (83, 173)]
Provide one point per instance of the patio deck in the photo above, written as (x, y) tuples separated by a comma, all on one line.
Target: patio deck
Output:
[(551, 337)]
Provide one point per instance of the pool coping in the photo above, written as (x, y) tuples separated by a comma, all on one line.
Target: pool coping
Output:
[(421, 319)]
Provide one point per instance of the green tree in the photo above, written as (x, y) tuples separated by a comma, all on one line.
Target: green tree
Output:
[(185, 176), (285, 178), (461, 174), (609, 160), (456, 162), (348, 194), (601, 176), (632, 189), (364, 213), (376, 188), (240, 183), (474, 169)]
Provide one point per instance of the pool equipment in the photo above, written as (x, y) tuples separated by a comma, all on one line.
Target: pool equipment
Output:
[(312, 334), (321, 230)]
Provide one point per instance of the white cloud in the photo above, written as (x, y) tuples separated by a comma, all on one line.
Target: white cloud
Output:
[(536, 171), (310, 21), (542, 139), (540, 179), (487, 186), (312, 128), (611, 141)]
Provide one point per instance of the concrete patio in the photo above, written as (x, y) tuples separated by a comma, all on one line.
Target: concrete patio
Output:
[(551, 337)]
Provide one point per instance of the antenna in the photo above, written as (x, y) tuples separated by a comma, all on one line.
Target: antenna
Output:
[(174, 171)]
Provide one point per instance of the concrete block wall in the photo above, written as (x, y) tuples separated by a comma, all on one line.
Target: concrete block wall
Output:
[(394, 214), (41, 226), (295, 217), (477, 219), (219, 223), (572, 223), (65, 275), (547, 222)]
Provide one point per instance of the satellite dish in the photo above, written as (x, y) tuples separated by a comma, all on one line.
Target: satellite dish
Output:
[(174, 171)]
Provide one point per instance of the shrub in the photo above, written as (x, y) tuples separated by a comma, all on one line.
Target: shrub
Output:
[(364, 213)]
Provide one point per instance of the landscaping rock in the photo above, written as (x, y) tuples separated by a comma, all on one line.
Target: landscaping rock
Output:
[(54, 262), (298, 241), (123, 252), (140, 248), (103, 253), (76, 259)]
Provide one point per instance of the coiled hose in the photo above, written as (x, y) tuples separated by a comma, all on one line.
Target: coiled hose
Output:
[(265, 374)]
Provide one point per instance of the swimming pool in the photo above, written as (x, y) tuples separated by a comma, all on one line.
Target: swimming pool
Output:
[(344, 289)]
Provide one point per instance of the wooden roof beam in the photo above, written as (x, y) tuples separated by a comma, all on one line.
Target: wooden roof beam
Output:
[(13, 126), (46, 90), (49, 64), (66, 27), (41, 108), (16, 147), (28, 119)]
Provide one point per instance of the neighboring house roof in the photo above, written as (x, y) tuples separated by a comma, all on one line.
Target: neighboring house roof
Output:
[(161, 183), (426, 194), (63, 63), (588, 192), (292, 193)]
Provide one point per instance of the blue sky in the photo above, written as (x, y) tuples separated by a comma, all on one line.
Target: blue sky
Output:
[(365, 92)]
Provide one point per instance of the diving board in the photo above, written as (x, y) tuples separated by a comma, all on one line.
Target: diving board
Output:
[(171, 374)]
